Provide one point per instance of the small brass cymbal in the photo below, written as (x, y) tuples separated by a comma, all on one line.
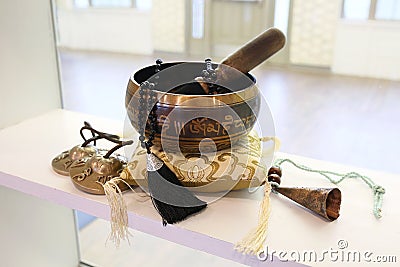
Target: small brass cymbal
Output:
[(89, 174), (63, 161)]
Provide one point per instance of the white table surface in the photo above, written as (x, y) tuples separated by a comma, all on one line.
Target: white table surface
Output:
[(28, 148)]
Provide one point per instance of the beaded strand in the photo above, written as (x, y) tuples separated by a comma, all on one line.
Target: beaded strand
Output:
[(146, 92)]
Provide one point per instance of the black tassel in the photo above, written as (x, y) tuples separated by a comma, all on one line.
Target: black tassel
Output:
[(171, 199)]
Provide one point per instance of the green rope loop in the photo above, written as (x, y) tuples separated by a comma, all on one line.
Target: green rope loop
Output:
[(377, 190)]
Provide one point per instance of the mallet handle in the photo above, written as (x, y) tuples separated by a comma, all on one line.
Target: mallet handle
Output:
[(256, 51)]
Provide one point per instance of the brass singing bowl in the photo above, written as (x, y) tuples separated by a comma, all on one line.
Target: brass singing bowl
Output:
[(217, 121)]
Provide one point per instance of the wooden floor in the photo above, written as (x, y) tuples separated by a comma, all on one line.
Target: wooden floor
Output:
[(348, 120), (355, 121)]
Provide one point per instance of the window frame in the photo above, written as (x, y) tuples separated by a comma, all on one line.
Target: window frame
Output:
[(372, 12), (90, 5)]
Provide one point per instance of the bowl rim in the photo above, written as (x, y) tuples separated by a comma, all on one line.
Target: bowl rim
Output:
[(249, 75)]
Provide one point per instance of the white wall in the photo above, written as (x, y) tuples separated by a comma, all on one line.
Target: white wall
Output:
[(36, 232), (105, 29), (168, 18), (368, 49), (29, 82), (33, 232), (313, 32), (125, 30)]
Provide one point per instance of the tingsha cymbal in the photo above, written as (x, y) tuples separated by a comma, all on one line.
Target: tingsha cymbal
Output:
[(63, 161), (90, 173)]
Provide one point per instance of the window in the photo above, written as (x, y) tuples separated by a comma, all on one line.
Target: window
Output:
[(81, 3), (198, 19), (371, 9), (281, 15), (138, 4), (356, 9), (388, 10), (111, 3)]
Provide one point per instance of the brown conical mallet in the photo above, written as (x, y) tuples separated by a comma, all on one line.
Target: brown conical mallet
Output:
[(325, 202)]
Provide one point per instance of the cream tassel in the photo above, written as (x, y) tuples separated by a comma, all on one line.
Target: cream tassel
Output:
[(253, 243), (119, 213), (118, 208)]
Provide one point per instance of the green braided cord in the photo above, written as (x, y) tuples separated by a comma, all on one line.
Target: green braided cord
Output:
[(376, 189)]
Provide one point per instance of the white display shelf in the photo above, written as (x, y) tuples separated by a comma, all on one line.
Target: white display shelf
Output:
[(28, 148)]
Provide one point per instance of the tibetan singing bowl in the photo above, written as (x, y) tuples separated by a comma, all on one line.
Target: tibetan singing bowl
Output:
[(217, 120)]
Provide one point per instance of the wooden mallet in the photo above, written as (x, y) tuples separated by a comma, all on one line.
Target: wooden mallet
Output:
[(246, 58)]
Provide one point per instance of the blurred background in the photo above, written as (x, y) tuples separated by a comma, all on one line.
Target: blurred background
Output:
[(334, 90)]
